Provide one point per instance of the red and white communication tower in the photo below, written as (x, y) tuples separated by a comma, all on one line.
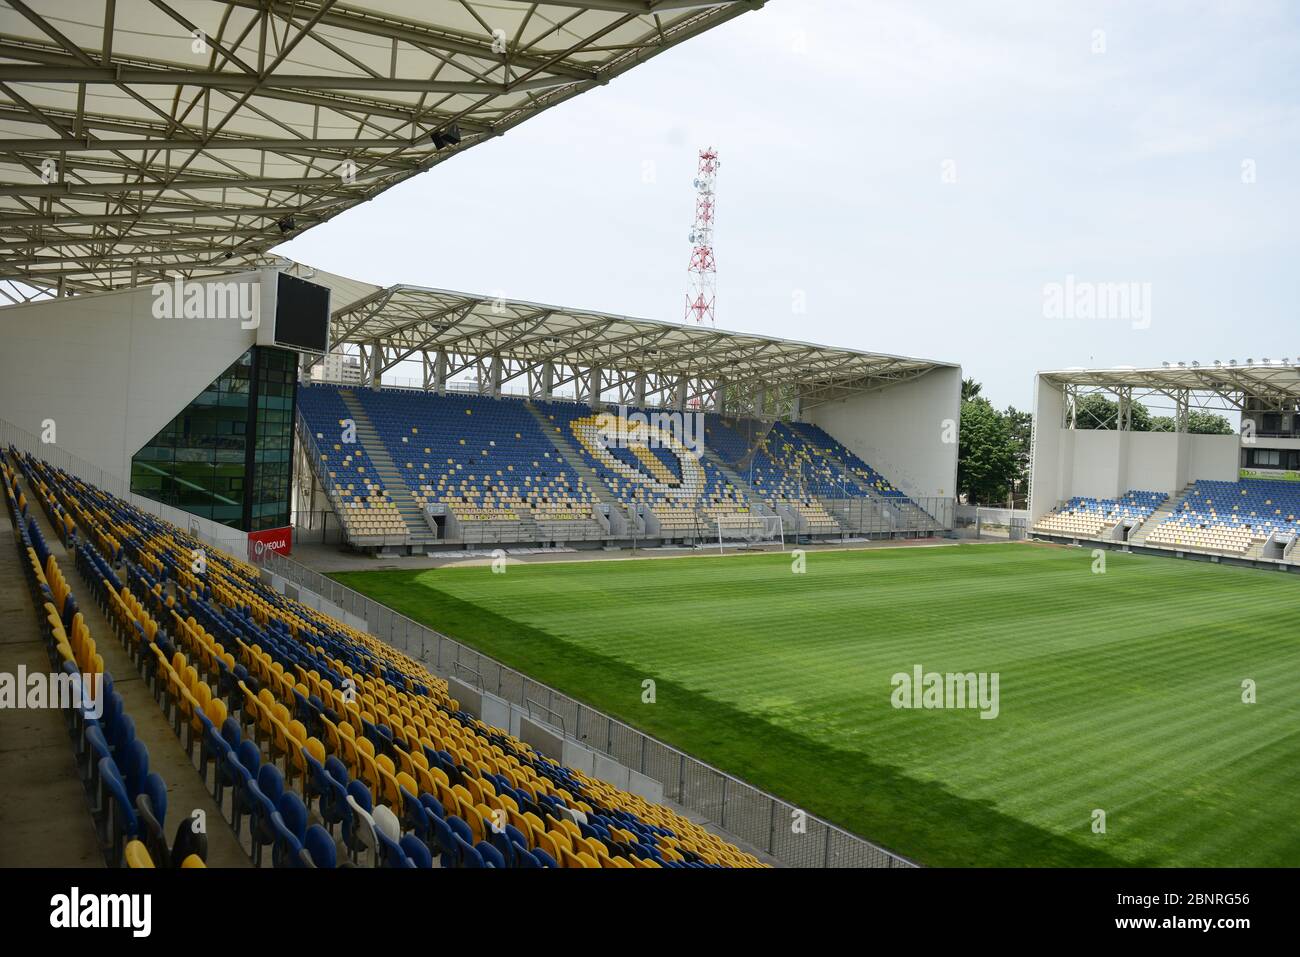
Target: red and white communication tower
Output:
[(702, 273)]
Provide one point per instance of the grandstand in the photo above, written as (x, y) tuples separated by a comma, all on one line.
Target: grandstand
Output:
[(552, 447), (298, 725), (1210, 496)]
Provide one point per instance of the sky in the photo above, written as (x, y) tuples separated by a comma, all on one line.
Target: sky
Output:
[(947, 180)]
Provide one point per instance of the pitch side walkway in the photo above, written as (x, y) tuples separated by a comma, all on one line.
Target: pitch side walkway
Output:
[(327, 559), (43, 806), (185, 790)]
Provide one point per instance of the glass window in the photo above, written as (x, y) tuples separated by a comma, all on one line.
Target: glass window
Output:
[(227, 455)]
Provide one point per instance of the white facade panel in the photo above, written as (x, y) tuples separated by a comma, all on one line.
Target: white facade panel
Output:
[(902, 430)]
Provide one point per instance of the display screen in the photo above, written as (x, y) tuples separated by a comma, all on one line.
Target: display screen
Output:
[(302, 314)]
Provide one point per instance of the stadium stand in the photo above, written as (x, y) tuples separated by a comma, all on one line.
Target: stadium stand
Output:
[(303, 725), (1230, 517), (527, 467), (1085, 517), (646, 465), (345, 469), (782, 472), (484, 458), (128, 800)]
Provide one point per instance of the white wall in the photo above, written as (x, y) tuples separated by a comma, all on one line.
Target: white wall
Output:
[(1216, 457), (899, 430), (1097, 467), (1152, 462), (108, 373), (1104, 464), (1045, 466)]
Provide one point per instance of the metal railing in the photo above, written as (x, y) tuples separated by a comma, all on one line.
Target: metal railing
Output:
[(756, 817)]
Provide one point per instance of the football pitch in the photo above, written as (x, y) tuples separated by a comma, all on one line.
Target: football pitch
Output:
[(1118, 691)]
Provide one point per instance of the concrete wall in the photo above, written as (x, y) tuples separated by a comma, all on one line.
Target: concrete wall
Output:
[(899, 430), (1216, 457), (108, 372), (1104, 464)]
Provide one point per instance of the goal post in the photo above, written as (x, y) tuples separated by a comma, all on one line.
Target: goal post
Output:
[(754, 530)]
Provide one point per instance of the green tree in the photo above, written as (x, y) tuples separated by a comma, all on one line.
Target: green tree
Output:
[(1208, 423), (1095, 411), (970, 389), (1021, 425), (986, 454)]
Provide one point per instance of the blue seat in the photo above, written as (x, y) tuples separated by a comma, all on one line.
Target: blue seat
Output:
[(319, 845), (261, 809), (444, 842), (120, 823), (416, 851), (466, 854), (133, 762), (287, 850), (490, 855), (155, 789)]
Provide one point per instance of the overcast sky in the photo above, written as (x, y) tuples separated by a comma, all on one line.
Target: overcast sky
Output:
[(916, 174)]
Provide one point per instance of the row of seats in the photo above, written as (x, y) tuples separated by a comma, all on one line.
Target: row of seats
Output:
[(128, 801), (491, 459), (1186, 533), (1087, 517), (364, 506), (486, 459), (1259, 507), (377, 746)]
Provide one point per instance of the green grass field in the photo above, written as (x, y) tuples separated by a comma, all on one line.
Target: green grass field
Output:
[(1119, 691)]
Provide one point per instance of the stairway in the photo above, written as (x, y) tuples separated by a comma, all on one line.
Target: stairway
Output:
[(1159, 515), (572, 457), (389, 476), (1256, 550), (738, 482)]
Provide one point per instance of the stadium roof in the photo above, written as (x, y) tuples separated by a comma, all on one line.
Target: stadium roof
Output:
[(407, 320), (1230, 381), (191, 136)]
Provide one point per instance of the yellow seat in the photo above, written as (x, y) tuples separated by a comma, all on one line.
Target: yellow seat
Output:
[(137, 856)]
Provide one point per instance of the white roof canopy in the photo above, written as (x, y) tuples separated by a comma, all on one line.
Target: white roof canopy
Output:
[(1275, 381), (406, 322), (154, 137)]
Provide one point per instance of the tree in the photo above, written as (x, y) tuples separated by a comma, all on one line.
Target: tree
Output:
[(970, 389), (1207, 423), (1021, 426), (986, 453), (1095, 411)]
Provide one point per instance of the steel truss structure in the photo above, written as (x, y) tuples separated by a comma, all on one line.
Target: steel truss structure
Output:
[(1268, 384), (527, 347), (149, 138)]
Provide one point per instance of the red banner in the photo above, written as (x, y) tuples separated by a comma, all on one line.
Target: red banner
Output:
[(278, 540)]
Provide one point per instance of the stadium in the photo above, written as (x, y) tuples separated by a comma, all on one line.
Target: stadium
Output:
[(397, 576)]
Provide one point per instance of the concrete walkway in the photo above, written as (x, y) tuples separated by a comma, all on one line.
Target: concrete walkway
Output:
[(44, 812), (186, 792), (327, 559)]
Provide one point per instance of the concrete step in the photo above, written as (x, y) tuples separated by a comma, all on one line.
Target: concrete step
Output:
[(1169, 506), (572, 457), (386, 470)]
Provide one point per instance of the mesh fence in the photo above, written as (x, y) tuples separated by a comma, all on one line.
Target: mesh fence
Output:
[(752, 816)]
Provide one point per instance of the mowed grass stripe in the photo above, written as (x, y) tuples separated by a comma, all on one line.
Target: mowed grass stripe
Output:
[(1119, 691)]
